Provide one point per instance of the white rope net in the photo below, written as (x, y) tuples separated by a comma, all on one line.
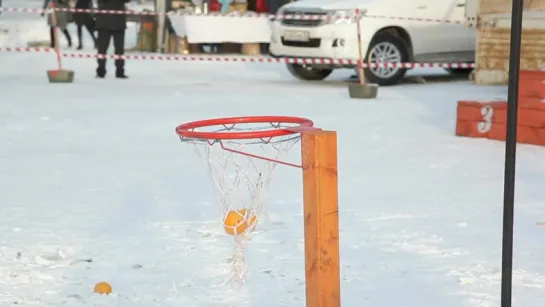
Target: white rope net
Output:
[(241, 179)]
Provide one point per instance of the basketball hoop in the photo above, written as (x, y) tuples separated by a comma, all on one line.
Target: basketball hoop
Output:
[(241, 154)]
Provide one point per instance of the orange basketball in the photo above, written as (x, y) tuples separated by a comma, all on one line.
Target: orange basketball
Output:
[(103, 288), (238, 221)]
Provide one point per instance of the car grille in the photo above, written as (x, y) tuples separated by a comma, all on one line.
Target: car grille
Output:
[(304, 22), (312, 43)]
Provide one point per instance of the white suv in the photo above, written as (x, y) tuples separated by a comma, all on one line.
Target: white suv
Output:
[(383, 39)]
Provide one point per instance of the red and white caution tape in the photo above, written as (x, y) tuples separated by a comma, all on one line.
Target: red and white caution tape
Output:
[(74, 10), (242, 59), (430, 20), (232, 14)]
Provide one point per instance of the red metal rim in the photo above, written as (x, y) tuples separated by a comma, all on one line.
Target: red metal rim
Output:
[(187, 130)]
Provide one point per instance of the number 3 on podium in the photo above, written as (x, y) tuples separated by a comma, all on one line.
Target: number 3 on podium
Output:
[(485, 125)]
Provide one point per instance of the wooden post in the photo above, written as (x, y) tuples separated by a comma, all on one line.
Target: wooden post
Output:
[(160, 8), (55, 35), (360, 54), (320, 196)]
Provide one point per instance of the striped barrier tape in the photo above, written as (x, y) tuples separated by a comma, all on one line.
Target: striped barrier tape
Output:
[(233, 14), (236, 58)]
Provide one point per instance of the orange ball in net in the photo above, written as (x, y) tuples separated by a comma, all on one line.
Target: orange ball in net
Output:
[(238, 221), (103, 288)]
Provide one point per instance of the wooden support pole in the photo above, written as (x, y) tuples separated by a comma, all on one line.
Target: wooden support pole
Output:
[(320, 196), (55, 35), (160, 8), (360, 53)]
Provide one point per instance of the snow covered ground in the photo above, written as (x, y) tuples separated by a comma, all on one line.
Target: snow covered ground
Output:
[(94, 185)]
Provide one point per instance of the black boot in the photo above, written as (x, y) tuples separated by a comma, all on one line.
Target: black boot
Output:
[(101, 69), (121, 75), (120, 69)]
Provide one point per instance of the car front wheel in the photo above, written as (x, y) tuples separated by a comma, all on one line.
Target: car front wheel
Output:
[(386, 47), (308, 73)]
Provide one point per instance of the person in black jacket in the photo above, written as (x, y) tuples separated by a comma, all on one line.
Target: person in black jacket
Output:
[(111, 26), (86, 20)]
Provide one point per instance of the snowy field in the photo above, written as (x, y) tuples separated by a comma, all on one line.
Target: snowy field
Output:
[(95, 185)]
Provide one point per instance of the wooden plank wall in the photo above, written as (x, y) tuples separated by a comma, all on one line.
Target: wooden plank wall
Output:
[(504, 6), (493, 53), (492, 56)]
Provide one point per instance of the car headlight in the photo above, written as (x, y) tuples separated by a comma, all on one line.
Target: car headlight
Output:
[(341, 17), (344, 16)]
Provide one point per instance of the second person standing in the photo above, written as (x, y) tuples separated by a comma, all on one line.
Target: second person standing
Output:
[(111, 26)]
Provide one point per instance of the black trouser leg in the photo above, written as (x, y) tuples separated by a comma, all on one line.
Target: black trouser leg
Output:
[(119, 48), (52, 36), (103, 42), (68, 37), (91, 29), (80, 38)]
